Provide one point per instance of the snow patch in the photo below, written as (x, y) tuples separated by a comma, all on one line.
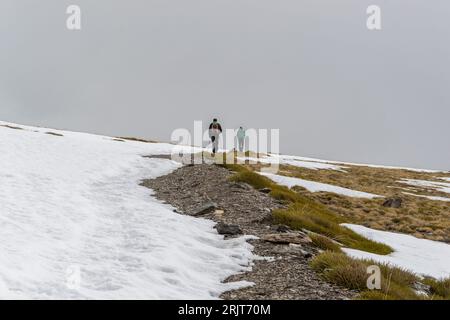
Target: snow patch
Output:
[(75, 201), (428, 197), (359, 164), (313, 186), (293, 161), (421, 256), (435, 185)]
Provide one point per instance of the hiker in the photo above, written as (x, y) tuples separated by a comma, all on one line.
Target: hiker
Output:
[(215, 129), (241, 138)]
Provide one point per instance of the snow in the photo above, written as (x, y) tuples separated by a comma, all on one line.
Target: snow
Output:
[(358, 164), (286, 160), (74, 202), (421, 256), (436, 185), (445, 178), (313, 186), (428, 197)]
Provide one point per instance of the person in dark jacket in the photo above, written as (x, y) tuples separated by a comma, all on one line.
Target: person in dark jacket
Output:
[(215, 129)]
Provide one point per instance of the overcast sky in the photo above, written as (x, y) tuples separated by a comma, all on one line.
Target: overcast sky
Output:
[(310, 68)]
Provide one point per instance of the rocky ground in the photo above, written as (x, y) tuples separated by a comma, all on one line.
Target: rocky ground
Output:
[(205, 190)]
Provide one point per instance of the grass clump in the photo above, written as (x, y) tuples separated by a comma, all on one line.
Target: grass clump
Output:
[(306, 213), (333, 265), (440, 288), (284, 194), (54, 134), (11, 127), (137, 139), (257, 181), (324, 243), (338, 268)]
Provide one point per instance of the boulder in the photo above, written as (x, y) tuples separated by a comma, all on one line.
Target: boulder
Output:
[(228, 229), (393, 203), (265, 190), (218, 214), (287, 237), (281, 228), (205, 208)]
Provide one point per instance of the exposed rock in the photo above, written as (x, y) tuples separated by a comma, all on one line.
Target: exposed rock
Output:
[(240, 185), (285, 273), (205, 208), (264, 219), (422, 288), (265, 190), (393, 203), (228, 229), (281, 228), (288, 237)]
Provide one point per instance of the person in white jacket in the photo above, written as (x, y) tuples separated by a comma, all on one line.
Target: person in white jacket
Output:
[(241, 138), (215, 129)]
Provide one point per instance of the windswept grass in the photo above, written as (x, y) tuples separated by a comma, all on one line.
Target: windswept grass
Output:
[(136, 139), (11, 127), (54, 134), (314, 218), (305, 213), (418, 216), (338, 268), (324, 243), (439, 288)]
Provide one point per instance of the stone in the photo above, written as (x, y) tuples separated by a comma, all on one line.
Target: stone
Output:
[(422, 288), (238, 185), (282, 228), (393, 203), (228, 229), (219, 214), (265, 218), (265, 190), (205, 208), (300, 248), (286, 238)]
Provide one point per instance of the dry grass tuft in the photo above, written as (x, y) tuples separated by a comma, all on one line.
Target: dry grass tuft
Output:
[(439, 288), (324, 243), (338, 268), (421, 217), (137, 139), (305, 213), (10, 127), (55, 134)]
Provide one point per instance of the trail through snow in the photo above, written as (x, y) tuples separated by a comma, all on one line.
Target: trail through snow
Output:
[(73, 202)]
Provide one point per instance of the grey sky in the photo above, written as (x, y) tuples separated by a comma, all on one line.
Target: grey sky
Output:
[(310, 68)]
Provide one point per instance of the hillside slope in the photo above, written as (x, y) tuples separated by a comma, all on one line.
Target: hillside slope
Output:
[(79, 223), (71, 204)]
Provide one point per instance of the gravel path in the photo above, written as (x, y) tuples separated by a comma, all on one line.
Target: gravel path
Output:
[(287, 275)]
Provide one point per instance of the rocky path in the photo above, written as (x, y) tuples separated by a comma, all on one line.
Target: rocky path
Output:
[(205, 190)]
